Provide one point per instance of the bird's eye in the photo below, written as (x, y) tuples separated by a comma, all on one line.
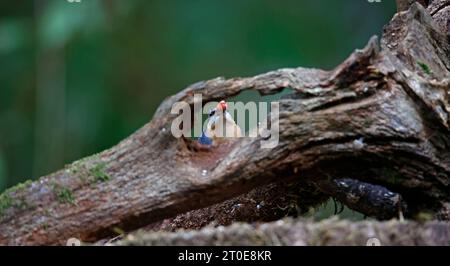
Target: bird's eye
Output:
[(211, 112)]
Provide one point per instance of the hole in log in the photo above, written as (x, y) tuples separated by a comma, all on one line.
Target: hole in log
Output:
[(208, 156)]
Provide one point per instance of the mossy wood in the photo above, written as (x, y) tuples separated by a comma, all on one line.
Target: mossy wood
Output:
[(374, 133)]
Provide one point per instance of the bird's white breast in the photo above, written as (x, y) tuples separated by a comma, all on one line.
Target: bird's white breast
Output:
[(223, 126)]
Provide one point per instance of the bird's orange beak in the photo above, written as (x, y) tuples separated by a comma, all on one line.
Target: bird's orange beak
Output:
[(222, 106)]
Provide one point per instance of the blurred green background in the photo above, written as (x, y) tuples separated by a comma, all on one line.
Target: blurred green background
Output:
[(75, 78)]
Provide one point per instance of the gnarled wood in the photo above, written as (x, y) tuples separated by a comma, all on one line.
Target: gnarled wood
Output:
[(381, 118)]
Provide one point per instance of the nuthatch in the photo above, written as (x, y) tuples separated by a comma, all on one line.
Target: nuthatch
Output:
[(220, 125)]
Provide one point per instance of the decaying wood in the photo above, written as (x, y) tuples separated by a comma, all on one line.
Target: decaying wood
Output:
[(332, 232), (262, 204), (378, 120)]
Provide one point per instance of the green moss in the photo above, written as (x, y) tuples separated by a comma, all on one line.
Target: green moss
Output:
[(73, 169), (63, 194), (45, 226), (79, 167), (90, 169), (18, 187), (84, 160), (425, 68), (98, 172), (22, 204), (5, 202)]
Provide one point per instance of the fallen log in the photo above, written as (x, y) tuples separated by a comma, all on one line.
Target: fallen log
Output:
[(300, 232), (380, 119)]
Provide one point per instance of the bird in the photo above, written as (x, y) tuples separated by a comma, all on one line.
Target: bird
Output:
[(220, 125)]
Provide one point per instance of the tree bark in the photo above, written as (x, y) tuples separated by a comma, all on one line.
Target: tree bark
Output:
[(373, 132), (289, 232)]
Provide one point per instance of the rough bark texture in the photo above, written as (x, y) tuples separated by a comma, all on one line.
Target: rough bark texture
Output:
[(374, 133), (303, 232), (267, 203)]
